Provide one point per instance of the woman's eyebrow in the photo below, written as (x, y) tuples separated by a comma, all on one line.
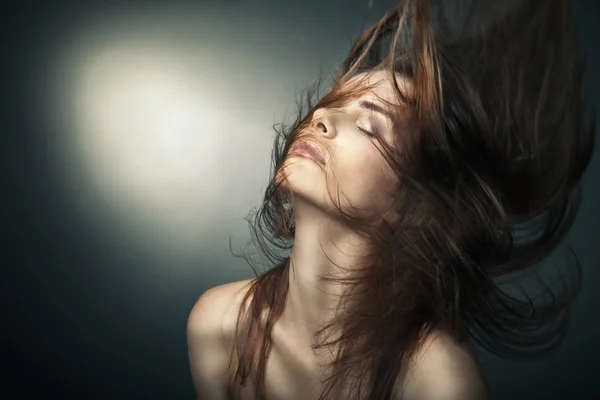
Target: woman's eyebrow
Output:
[(374, 107)]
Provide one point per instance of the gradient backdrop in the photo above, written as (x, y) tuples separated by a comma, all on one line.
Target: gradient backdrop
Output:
[(136, 137)]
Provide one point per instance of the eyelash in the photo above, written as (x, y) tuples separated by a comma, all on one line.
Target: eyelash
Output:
[(366, 132)]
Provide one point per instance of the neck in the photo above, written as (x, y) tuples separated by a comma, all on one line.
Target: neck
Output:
[(322, 247)]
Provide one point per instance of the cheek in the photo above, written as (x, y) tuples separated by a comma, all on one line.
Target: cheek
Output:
[(366, 181)]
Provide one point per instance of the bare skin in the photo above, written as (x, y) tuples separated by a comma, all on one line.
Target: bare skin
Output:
[(443, 369)]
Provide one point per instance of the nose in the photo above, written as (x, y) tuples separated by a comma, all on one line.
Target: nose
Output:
[(321, 122), (320, 126)]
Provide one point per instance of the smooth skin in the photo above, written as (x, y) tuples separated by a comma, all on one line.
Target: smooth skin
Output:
[(443, 369)]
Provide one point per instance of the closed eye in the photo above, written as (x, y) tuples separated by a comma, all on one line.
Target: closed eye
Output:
[(366, 132)]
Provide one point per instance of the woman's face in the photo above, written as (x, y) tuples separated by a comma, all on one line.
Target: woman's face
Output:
[(353, 163)]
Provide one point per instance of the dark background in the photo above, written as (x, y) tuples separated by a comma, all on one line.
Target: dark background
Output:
[(91, 312)]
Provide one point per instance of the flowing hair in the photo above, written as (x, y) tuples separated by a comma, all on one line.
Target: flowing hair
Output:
[(489, 151)]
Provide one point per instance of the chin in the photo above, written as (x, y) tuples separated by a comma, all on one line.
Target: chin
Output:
[(297, 169), (306, 187)]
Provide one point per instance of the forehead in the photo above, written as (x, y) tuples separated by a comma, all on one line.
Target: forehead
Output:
[(382, 85)]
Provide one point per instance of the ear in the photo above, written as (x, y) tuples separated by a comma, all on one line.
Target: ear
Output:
[(391, 216)]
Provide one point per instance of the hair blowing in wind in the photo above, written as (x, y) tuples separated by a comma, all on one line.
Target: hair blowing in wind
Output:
[(489, 158)]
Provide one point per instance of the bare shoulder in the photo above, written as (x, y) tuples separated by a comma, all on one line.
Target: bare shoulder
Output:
[(215, 312), (444, 369), (210, 333)]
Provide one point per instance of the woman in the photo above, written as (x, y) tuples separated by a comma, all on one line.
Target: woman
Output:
[(436, 164)]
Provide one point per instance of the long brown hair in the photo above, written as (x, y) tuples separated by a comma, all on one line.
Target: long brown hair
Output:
[(488, 165)]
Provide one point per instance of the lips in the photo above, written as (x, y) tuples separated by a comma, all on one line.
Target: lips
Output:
[(310, 150)]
